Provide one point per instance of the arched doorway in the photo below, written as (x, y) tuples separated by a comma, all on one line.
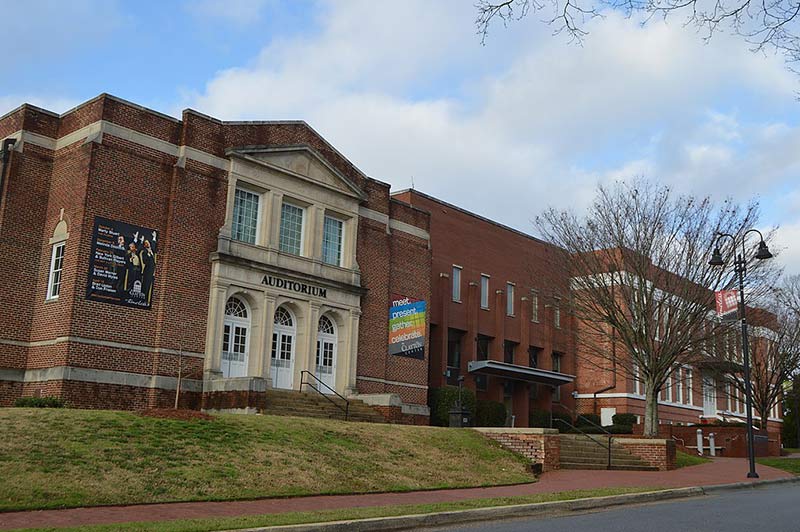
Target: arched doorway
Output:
[(326, 353), (284, 338), (235, 338)]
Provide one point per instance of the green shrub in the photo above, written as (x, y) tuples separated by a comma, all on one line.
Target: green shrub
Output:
[(539, 419), (623, 419), (442, 400), (562, 416), (588, 420), (39, 402), (490, 414), (619, 429)]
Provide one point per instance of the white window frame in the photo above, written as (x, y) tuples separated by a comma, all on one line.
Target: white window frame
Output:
[(668, 389), (534, 305), (456, 283), (51, 285), (303, 223), (259, 210), (678, 385), (509, 299), (688, 373), (557, 312), (485, 279), (322, 240)]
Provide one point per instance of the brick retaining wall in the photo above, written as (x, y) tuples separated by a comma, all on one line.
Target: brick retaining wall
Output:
[(540, 446)]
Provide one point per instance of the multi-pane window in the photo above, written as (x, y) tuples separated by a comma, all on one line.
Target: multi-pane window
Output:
[(533, 356), (509, 299), (481, 381), (453, 355), (557, 313), (484, 291), (556, 361), (534, 306), (56, 267), (457, 283), (332, 231), (688, 373), (508, 352), (291, 233), (245, 216), (678, 386)]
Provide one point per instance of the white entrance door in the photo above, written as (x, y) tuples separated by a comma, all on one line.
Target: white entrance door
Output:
[(235, 338), (283, 343), (326, 354), (709, 397)]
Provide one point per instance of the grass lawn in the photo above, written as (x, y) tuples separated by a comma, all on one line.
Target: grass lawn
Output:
[(293, 518), (791, 450), (683, 460), (792, 465), (51, 458)]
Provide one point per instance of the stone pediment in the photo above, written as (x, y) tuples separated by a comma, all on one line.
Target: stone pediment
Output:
[(303, 162)]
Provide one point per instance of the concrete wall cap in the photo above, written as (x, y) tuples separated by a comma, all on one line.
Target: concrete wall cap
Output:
[(514, 430)]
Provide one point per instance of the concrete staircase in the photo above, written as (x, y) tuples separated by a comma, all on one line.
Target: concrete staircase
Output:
[(579, 452), (312, 404)]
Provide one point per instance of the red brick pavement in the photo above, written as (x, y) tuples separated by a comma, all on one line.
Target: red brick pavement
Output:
[(720, 471)]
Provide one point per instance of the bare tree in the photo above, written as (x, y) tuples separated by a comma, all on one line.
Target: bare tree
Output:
[(766, 25), (642, 289), (775, 358)]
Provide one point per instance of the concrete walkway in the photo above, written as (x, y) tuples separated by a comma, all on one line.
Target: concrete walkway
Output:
[(719, 471)]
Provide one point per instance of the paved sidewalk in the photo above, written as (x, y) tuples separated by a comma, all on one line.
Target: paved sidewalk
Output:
[(720, 471)]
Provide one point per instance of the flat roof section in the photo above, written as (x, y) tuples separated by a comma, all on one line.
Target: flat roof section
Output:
[(519, 373)]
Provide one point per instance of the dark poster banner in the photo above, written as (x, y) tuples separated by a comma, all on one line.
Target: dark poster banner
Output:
[(122, 266)]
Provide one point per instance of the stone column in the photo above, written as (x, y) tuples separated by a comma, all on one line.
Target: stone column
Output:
[(216, 314), (275, 220), (352, 352), (266, 343), (306, 352)]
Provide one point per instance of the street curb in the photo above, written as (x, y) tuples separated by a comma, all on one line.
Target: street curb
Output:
[(415, 521)]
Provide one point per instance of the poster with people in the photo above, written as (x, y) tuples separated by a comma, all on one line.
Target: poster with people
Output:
[(123, 264)]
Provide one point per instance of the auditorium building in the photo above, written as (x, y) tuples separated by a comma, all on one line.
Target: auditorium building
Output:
[(235, 256), (143, 254)]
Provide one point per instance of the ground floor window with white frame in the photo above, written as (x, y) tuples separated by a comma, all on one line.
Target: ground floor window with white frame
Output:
[(235, 338), (326, 353)]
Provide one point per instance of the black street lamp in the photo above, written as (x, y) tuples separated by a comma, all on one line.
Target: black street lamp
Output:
[(740, 267)]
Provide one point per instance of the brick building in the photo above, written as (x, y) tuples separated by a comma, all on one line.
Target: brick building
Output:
[(248, 256), (240, 254), (496, 312)]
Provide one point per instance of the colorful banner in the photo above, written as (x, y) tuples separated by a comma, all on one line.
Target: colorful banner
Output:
[(122, 266), (407, 327), (727, 304)]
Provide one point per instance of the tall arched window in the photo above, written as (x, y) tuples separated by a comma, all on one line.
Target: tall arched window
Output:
[(326, 352), (283, 344), (235, 338)]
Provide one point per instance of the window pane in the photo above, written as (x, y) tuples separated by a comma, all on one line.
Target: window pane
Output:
[(332, 241), (291, 237), (245, 216), (56, 266), (509, 299), (456, 283), (484, 291)]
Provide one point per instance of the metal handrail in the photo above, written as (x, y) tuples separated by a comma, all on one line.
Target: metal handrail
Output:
[(575, 413), (610, 439), (345, 409)]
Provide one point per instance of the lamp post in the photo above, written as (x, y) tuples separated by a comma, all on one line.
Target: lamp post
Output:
[(740, 267)]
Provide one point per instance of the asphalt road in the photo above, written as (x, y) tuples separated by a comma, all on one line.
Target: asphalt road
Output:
[(771, 509)]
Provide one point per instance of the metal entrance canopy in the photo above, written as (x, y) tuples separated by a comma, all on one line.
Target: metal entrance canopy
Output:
[(519, 373)]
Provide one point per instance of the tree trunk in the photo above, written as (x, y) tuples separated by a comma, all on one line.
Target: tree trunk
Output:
[(651, 413)]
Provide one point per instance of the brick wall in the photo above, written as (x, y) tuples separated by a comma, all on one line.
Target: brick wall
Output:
[(658, 453), (540, 446), (184, 200)]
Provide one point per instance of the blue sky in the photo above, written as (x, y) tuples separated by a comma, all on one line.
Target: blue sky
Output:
[(405, 90)]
